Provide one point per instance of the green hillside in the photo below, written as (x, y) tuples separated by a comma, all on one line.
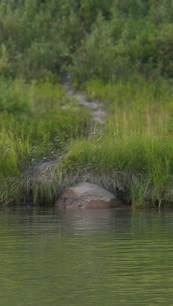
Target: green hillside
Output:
[(118, 52)]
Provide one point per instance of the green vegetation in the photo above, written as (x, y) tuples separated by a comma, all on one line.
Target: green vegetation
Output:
[(119, 52), (35, 121), (137, 142)]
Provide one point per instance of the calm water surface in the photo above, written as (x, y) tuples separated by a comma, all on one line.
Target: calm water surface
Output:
[(86, 257)]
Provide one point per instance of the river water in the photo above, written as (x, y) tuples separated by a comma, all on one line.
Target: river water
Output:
[(86, 257)]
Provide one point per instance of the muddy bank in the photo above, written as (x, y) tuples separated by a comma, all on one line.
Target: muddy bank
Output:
[(43, 183)]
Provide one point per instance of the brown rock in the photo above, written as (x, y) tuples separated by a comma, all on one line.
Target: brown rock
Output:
[(86, 195)]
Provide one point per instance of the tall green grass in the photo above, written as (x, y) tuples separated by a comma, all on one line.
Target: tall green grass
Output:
[(36, 121), (137, 140)]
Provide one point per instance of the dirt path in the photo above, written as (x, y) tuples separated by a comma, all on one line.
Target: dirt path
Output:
[(41, 175), (95, 107)]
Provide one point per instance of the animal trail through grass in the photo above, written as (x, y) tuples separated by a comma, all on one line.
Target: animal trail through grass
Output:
[(33, 124), (137, 139)]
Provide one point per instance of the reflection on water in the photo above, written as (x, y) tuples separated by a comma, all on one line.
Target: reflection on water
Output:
[(85, 257)]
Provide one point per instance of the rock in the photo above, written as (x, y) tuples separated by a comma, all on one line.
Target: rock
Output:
[(86, 195)]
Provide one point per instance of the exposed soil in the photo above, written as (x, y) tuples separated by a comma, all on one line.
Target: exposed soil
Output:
[(42, 176), (43, 169), (95, 107)]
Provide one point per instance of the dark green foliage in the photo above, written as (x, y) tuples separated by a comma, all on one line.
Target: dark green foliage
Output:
[(133, 8), (108, 39)]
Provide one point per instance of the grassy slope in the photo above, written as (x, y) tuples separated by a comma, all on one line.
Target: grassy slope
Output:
[(118, 51), (36, 121), (137, 140)]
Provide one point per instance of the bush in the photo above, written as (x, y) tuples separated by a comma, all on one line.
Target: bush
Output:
[(99, 56)]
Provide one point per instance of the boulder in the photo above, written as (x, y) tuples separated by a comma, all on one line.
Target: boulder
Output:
[(86, 195)]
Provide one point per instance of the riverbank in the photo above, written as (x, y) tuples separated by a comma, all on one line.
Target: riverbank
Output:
[(55, 141), (114, 128), (37, 121), (133, 156)]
